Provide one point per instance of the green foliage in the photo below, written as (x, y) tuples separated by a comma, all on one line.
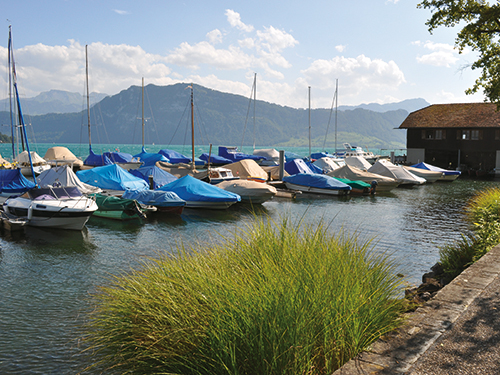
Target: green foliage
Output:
[(272, 299), (483, 213), (480, 33)]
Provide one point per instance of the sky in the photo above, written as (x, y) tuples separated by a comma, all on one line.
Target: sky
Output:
[(379, 51)]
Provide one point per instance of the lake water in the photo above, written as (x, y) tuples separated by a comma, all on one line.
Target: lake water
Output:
[(47, 276)]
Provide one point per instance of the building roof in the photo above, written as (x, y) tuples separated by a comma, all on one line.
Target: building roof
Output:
[(465, 115)]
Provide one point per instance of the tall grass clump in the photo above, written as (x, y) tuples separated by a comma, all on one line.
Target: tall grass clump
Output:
[(269, 299), (483, 214)]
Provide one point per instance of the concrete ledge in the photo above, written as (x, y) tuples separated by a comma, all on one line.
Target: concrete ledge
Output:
[(398, 351)]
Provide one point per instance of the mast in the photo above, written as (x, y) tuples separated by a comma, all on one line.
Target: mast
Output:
[(143, 150), (24, 135), (10, 95), (309, 121), (192, 126), (88, 95), (336, 110), (254, 103)]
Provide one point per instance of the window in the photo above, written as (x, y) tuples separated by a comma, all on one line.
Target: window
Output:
[(433, 134), (474, 135)]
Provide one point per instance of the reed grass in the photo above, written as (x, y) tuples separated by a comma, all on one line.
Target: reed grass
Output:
[(483, 214), (269, 299)]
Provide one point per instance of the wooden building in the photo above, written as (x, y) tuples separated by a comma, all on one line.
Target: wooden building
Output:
[(451, 136)]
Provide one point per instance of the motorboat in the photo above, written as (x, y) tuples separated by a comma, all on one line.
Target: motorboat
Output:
[(448, 175), (117, 208), (64, 176), (430, 176), (200, 194), (328, 164), (404, 177), (58, 155), (112, 177), (52, 207), (358, 162), (316, 184), (383, 183), (164, 201), (358, 151), (247, 169), (39, 163), (232, 153), (250, 191)]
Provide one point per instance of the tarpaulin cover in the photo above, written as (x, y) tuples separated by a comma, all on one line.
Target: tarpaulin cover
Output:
[(155, 198), (119, 157), (386, 168), (231, 153), (12, 181), (319, 181), (247, 168), (160, 177), (314, 168), (112, 177), (327, 164), (64, 176), (429, 167), (215, 159), (149, 158), (192, 189), (96, 160), (62, 154), (356, 184), (111, 203), (297, 166)]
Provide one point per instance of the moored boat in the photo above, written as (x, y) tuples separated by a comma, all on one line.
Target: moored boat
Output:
[(250, 191), (316, 184), (388, 169), (448, 175), (430, 176), (384, 183), (164, 201)]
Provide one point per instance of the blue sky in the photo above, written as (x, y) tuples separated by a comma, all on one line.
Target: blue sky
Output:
[(379, 50)]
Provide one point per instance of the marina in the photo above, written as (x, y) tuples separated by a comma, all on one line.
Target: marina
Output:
[(47, 277)]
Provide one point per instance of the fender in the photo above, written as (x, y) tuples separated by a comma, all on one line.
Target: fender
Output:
[(30, 212)]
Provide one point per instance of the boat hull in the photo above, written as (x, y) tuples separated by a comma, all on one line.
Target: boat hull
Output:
[(313, 190), (209, 205)]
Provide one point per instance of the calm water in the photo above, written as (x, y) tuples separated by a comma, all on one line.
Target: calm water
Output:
[(46, 277)]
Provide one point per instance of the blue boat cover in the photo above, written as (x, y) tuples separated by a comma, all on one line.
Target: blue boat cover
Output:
[(149, 158), (192, 189), (323, 154), (319, 181), (112, 177), (237, 156), (12, 181), (160, 177), (297, 166), (291, 155), (314, 168), (96, 160), (119, 157), (155, 198), (429, 167), (174, 156), (215, 159)]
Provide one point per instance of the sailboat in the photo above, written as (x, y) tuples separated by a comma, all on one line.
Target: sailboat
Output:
[(123, 159), (63, 208)]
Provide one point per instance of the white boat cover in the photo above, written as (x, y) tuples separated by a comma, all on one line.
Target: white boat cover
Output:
[(62, 155), (275, 172), (249, 190), (246, 168), (66, 177), (430, 176), (272, 156), (327, 164), (358, 162), (404, 177), (355, 174), (36, 159)]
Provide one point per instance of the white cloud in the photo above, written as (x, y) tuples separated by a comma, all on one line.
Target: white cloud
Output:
[(275, 40), (441, 54), (340, 48), (214, 36), (234, 20), (121, 12)]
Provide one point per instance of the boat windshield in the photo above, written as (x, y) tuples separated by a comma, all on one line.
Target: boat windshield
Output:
[(55, 193)]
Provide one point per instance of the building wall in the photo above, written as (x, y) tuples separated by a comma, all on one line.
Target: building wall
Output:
[(475, 148)]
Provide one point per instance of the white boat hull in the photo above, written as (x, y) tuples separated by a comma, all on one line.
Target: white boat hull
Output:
[(313, 190), (64, 214)]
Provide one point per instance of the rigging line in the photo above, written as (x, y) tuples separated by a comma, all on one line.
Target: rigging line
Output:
[(248, 112), (329, 119), (200, 123), (180, 121), (151, 111)]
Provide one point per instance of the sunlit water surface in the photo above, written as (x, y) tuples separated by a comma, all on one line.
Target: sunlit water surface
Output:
[(47, 277)]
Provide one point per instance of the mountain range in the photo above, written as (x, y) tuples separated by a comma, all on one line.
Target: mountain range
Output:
[(219, 119)]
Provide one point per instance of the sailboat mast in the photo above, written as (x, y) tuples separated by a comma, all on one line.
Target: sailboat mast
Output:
[(192, 126), (10, 94), (336, 111), (143, 113), (309, 121), (24, 135), (254, 103), (88, 95)]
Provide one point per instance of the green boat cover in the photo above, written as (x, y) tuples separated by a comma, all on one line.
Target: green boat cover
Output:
[(108, 203)]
